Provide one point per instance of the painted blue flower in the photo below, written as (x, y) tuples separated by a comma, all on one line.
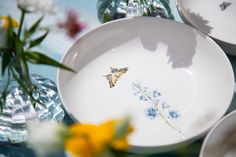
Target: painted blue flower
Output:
[(173, 114), (151, 113), (143, 98), (156, 93), (157, 105)]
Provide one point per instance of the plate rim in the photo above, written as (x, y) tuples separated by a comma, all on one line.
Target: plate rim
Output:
[(213, 130)]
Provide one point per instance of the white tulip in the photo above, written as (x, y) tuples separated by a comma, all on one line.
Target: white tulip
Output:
[(46, 137), (37, 5)]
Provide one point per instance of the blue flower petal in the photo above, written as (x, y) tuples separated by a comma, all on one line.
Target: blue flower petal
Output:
[(156, 93), (143, 98), (173, 114), (151, 113)]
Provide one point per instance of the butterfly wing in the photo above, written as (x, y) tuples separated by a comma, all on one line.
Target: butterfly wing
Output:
[(114, 70), (110, 80), (113, 81), (121, 72), (115, 75)]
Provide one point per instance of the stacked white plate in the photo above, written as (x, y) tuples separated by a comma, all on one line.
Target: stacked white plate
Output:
[(216, 18), (173, 80), (221, 140)]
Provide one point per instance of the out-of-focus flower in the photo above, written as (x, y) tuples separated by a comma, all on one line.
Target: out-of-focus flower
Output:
[(90, 140), (72, 25), (46, 137), (4, 22), (80, 140), (37, 5)]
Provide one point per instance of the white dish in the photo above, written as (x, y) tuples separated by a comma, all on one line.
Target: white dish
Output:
[(217, 18), (221, 140), (190, 71)]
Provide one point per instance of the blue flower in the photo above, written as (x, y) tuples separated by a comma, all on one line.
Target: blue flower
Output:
[(156, 93), (143, 98), (151, 113), (173, 114)]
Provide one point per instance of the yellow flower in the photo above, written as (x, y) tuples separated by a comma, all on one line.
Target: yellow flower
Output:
[(122, 143), (5, 22), (88, 140)]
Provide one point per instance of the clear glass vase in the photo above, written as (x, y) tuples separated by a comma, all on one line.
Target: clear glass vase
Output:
[(18, 108), (109, 10)]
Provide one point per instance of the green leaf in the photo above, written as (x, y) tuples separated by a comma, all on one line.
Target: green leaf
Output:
[(39, 58), (123, 127), (33, 28), (19, 80), (25, 72), (18, 47), (5, 59), (38, 40)]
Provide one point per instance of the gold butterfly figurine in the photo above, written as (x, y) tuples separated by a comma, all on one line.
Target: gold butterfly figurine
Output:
[(114, 75)]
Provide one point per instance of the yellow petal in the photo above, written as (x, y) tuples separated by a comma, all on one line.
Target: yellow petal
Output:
[(78, 147), (5, 21), (121, 144), (93, 135), (90, 140)]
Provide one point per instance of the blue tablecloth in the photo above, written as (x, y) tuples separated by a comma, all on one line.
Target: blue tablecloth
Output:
[(58, 43)]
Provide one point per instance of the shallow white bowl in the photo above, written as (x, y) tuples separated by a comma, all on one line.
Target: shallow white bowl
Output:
[(217, 18), (178, 82), (221, 140)]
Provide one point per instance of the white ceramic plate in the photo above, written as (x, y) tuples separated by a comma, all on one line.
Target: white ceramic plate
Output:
[(216, 18), (221, 140), (174, 81)]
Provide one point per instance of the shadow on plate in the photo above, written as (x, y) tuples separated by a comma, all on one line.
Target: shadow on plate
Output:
[(180, 40), (202, 24)]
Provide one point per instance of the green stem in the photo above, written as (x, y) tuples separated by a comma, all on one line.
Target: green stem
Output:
[(21, 21)]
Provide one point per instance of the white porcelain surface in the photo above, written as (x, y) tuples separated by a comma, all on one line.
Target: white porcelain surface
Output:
[(221, 140), (216, 18), (190, 71)]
